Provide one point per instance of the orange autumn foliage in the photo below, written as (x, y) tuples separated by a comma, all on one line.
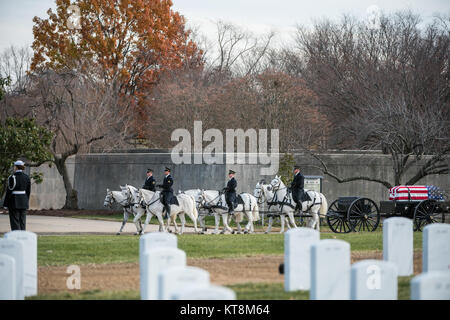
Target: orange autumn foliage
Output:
[(133, 41)]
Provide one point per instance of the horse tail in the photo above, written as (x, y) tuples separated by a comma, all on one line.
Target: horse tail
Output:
[(324, 206)]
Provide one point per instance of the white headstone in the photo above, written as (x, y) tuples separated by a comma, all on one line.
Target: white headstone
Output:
[(152, 263), (436, 247), (330, 270), (373, 280), (156, 240), (14, 249), (434, 285), (398, 244), (297, 258), (29, 241), (178, 278), (7, 277), (211, 292)]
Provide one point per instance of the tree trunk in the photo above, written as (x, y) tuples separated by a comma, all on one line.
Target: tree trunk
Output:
[(71, 193)]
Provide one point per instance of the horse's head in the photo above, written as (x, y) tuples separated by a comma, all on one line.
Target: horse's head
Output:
[(277, 183), (108, 199)]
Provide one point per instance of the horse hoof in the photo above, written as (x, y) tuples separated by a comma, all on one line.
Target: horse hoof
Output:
[(245, 232), (118, 234)]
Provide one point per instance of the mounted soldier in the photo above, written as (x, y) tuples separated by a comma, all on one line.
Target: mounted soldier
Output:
[(297, 188), (17, 196), (150, 181), (230, 192), (167, 192)]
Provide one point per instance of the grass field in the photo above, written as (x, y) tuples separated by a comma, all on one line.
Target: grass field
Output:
[(105, 249), (64, 250)]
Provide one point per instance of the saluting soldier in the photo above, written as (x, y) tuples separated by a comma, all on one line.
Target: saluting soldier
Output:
[(297, 187), (230, 191), (17, 196), (167, 192), (150, 181)]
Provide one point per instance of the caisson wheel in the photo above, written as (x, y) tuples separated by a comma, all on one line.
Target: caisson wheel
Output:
[(337, 219), (426, 212), (363, 215)]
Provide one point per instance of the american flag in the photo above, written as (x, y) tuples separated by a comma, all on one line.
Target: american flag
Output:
[(415, 193)]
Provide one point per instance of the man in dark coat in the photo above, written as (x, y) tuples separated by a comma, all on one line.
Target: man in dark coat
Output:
[(230, 192), (150, 182), (167, 192), (17, 196), (297, 187)]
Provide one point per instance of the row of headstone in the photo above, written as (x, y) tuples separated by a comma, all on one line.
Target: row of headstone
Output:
[(323, 266), (18, 265), (164, 274), (434, 281)]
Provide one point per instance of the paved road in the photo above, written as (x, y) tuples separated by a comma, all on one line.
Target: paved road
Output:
[(58, 225)]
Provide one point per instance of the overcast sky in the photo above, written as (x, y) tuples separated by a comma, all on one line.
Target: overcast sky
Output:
[(259, 16)]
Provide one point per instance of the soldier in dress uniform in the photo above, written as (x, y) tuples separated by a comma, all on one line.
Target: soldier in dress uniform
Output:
[(297, 187), (167, 192), (230, 191), (150, 182), (17, 196)]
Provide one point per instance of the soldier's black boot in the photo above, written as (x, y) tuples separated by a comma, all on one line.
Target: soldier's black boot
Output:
[(167, 209)]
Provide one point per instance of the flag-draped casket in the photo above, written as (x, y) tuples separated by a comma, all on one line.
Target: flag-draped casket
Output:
[(415, 193)]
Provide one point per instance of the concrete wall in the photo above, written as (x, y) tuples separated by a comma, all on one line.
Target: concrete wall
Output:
[(93, 173), (50, 194)]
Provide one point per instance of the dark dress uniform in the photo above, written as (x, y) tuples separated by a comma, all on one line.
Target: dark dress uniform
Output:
[(230, 194), (167, 192), (150, 184), (17, 199), (297, 188)]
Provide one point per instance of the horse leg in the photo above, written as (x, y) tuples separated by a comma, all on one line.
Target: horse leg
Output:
[(249, 226), (216, 222), (125, 219), (201, 220), (292, 219), (239, 229), (226, 227), (269, 225), (183, 221), (137, 222), (162, 228), (282, 223), (174, 220)]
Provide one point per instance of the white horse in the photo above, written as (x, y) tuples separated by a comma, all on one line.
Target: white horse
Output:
[(276, 195), (122, 200), (151, 201), (197, 194), (138, 210), (216, 201)]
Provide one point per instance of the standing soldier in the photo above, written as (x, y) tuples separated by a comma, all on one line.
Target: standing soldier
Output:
[(150, 182), (297, 187), (167, 192), (17, 196), (230, 192)]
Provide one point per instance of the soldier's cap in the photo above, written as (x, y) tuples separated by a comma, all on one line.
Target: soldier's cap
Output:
[(19, 163), (296, 167), (149, 170), (231, 172), (167, 169)]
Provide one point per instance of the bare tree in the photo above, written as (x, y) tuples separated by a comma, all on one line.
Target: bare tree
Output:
[(238, 51), (384, 88), (15, 63), (82, 112)]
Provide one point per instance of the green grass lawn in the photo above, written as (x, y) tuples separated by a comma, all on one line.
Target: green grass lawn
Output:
[(244, 291), (85, 249), (101, 249)]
